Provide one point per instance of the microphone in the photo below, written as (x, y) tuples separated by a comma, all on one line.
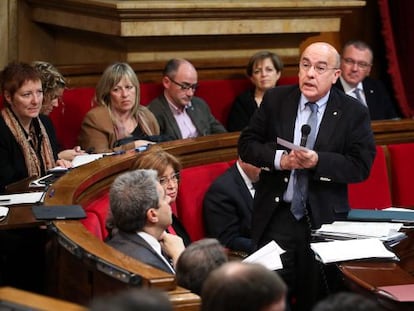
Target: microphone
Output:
[(306, 129)]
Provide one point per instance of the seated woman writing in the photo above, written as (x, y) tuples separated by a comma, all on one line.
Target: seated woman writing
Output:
[(118, 122), (53, 85), (25, 147)]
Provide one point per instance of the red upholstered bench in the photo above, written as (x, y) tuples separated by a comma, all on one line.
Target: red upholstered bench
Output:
[(194, 182), (402, 172), (97, 209), (219, 94), (373, 193)]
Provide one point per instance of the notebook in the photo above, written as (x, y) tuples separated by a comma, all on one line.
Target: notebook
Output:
[(55, 212)]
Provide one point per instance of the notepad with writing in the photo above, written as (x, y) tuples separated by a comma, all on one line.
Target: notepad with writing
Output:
[(56, 212)]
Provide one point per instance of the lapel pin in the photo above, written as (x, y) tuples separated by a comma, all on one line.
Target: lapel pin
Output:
[(335, 113)]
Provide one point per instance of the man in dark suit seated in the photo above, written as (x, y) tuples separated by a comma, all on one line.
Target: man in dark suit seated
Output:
[(228, 207), (356, 63), (179, 113), (141, 213)]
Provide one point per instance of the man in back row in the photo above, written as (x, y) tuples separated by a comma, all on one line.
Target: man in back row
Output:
[(180, 114), (356, 63)]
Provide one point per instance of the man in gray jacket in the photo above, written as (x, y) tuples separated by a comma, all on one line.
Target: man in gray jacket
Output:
[(179, 113)]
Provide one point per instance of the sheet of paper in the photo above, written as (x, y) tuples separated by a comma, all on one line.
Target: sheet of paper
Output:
[(358, 228), (336, 251), (268, 255), (288, 144), (21, 198), (86, 158)]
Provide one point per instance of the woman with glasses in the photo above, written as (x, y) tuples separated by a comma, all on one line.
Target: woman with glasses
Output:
[(264, 70), (118, 122), (168, 168), (53, 85)]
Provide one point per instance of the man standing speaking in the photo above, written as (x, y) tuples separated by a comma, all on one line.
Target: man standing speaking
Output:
[(304, 188)]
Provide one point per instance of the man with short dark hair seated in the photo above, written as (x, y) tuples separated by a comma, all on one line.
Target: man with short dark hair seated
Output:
[(141, 213)]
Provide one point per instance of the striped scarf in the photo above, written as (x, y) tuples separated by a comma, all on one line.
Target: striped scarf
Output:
[(32, 160)]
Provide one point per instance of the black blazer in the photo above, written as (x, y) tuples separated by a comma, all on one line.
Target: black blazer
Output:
[(378, 100), (12, 163), (241, 111), (227, 211), (136, 247), (345, 146)]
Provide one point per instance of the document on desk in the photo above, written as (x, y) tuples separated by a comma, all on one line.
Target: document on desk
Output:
[(358, 229), (288, 144), (268, 255), (336, 251), (21, 198)]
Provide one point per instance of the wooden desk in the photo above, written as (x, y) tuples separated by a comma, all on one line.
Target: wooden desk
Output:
[(366, 277), (20, 215), (35, 301)]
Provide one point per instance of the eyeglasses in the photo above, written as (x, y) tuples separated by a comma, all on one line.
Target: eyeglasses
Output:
[(352, 62), (166, 179), (185, 86), (320, 68)]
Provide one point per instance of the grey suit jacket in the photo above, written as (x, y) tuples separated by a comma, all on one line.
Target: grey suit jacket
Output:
[(199, 113), (135, 246), (345, 146)]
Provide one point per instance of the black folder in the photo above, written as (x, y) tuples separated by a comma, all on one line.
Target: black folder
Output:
[(56, 212)]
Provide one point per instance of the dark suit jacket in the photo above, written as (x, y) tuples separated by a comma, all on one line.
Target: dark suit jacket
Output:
[(136, 247), (12, 163), (345, 146), (241, 111), (378, 100), (199, 113), (227, 210)]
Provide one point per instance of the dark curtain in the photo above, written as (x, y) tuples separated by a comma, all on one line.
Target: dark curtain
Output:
[(397, 25)]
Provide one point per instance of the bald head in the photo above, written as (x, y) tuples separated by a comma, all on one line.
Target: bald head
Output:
[(243, 286), (318, 70)]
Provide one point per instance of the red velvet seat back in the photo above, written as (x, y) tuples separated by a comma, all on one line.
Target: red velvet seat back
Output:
[(93, 225), (99, 208), (194, 183), (68, 117), (402, 172), (373, 193)]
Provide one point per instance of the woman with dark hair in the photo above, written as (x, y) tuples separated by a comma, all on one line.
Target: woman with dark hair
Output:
[(264, 70), (168, 168), (25, 147)]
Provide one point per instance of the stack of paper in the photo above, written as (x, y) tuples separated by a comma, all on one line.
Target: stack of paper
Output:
[(342, 230), (336, 251), (268, 255), (21, 198)]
